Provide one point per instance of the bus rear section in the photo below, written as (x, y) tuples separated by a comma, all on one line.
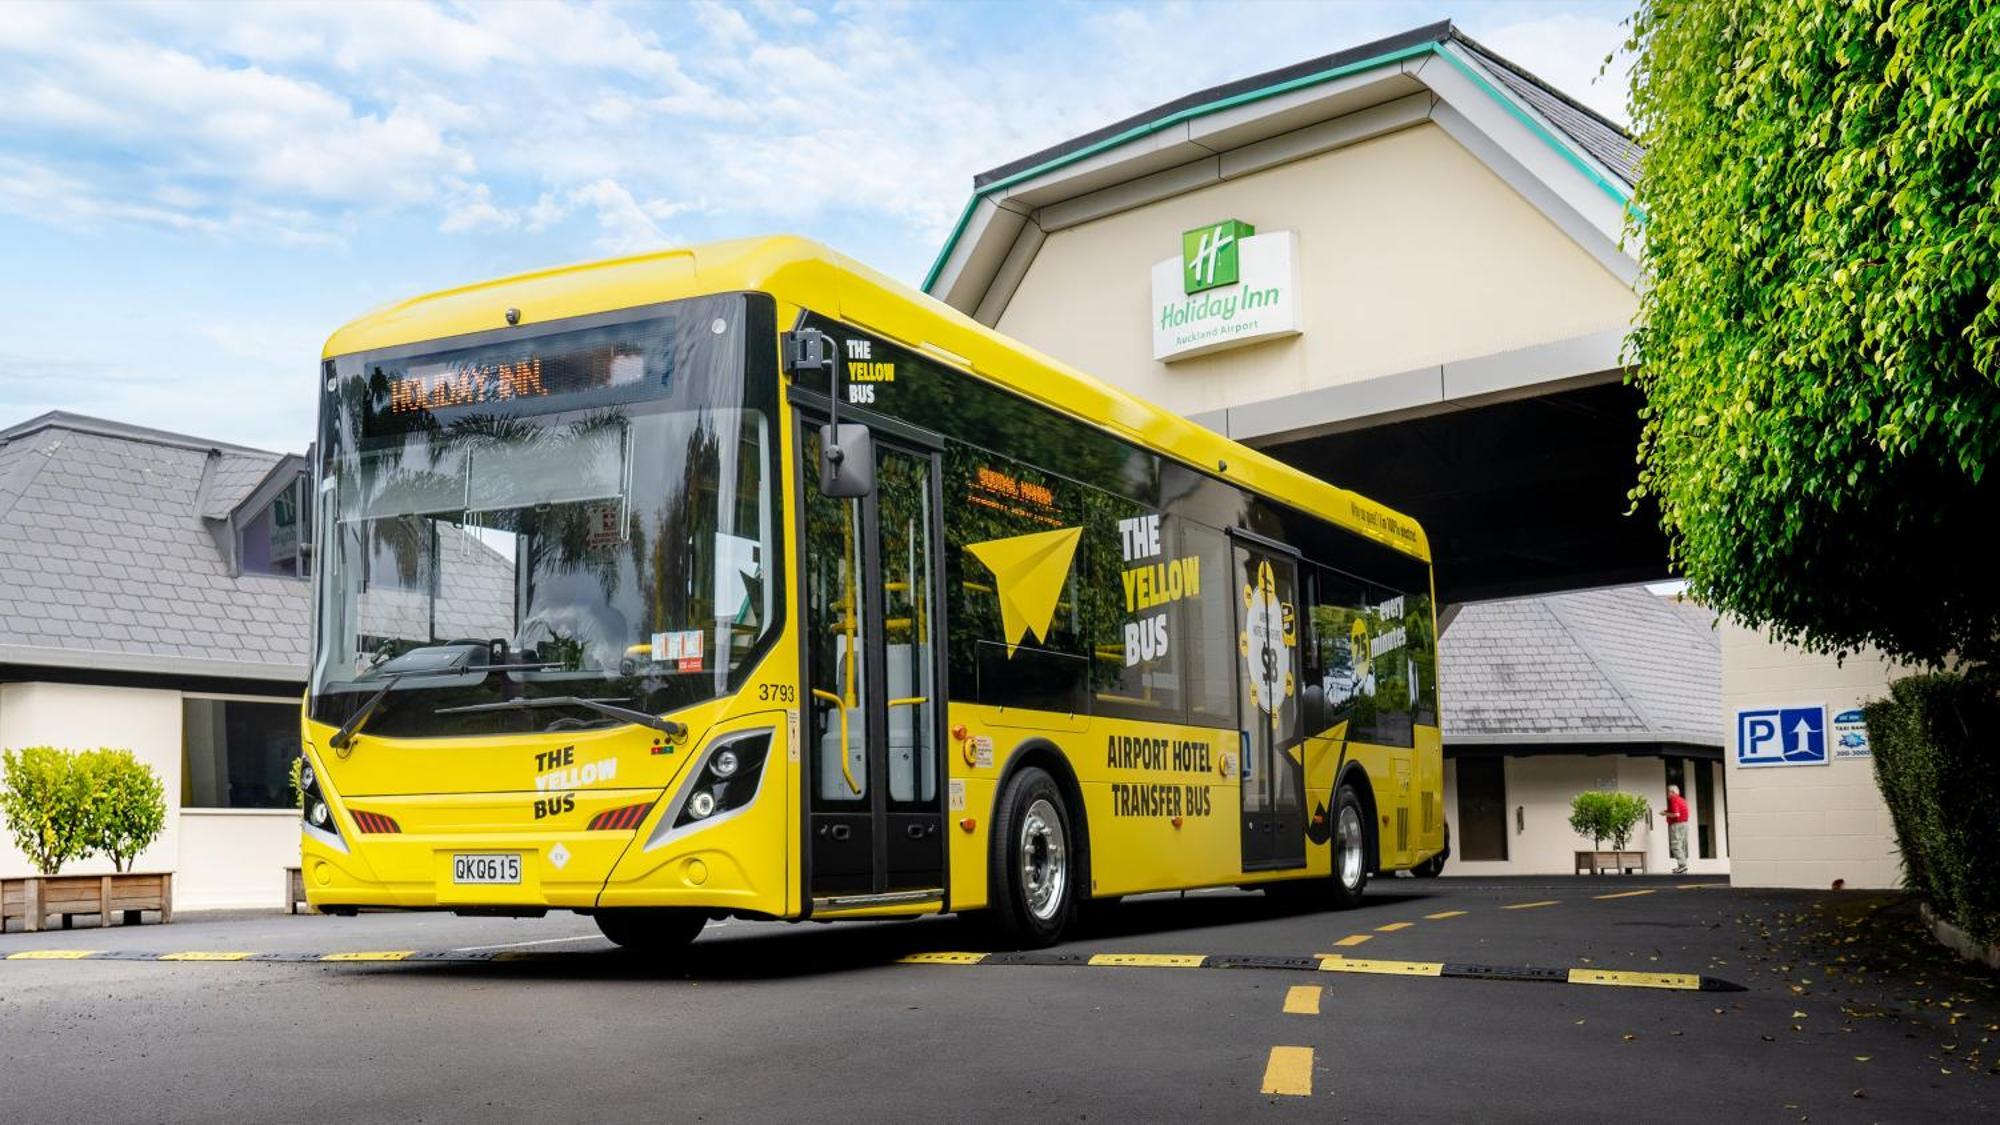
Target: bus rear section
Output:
[(550, 568)]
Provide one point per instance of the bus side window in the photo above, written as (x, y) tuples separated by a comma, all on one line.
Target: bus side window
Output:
[(1136, 585), (1208, 628), (1341, 635)]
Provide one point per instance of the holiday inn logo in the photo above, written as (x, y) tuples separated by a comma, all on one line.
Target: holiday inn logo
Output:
[(1229, 286), (1210, 255)]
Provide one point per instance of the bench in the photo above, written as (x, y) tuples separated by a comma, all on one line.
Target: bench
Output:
[(34, 898), (1590, 862)]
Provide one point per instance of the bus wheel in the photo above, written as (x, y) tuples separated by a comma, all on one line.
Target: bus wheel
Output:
[(1032, 863), (1350, 849), (651, 930)]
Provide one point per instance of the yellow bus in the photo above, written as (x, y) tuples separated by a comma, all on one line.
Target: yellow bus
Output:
[(743, 581)]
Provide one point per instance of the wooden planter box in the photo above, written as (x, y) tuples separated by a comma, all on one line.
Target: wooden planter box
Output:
[(35, 898), (295, 891), (1597, 863)]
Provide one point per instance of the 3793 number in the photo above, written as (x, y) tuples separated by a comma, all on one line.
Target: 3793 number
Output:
[(781, 693)]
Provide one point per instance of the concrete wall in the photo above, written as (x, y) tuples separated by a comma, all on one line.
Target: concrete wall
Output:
[(1541, 842), (234, 858), (1412, 254), (221, 858), (1805, 826)]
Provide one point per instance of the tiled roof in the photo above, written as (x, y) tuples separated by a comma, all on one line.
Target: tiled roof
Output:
[(1605, 142), (105, 555), (1611, 665)]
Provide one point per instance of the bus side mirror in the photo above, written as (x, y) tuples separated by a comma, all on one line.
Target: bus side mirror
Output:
[(846, 461)]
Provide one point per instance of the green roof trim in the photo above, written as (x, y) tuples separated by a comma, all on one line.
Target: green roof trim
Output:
[(1618, 194)]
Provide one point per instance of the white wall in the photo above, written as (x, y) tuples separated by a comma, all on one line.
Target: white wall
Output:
[(1805, 826), (233, 858), (221, 858), (1412, 253), (1540, 840), (81, 717)]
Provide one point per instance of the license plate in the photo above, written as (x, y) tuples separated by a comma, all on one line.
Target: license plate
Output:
[(492, 868)]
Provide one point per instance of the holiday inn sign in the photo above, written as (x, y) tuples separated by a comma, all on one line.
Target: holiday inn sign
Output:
[(1230, 286)]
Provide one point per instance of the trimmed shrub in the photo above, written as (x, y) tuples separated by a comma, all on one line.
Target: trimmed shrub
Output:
[(45, 801), (1934, 740), (128, 805), (1601, 816)]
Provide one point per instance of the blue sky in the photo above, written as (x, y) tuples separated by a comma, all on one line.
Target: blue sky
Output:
[(193, 196)]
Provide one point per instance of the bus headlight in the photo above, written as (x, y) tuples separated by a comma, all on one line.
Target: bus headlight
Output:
[(725, 782), (316, 811)]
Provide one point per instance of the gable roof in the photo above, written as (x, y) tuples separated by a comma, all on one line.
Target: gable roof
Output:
[(1617, 665), (1574, 165), (107, 561)]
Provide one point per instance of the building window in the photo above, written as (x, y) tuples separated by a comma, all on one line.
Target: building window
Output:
[(237, 753), (276, 540)]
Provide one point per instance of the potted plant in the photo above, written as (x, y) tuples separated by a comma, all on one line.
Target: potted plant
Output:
[(1598, 816), (61, 806)]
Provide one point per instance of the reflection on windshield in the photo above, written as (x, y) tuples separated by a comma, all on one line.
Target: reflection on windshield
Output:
[(607, 540)]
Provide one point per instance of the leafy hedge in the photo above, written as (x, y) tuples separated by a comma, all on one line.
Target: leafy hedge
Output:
[(1819, 342), (1935, 739)]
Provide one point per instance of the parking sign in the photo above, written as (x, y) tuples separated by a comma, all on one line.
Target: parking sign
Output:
[(1781, 736)]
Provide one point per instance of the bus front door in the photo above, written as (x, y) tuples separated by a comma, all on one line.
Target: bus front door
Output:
[(874, 765), (1273, 770)]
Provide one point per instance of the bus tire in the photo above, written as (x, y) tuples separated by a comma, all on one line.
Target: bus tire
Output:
[(1351, 832), (1032, 862), (655, 930)]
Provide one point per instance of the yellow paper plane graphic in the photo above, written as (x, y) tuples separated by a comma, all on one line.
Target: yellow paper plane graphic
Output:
[(1029, 572)]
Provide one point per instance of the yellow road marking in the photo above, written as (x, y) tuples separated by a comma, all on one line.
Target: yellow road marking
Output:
[(1355, 939), (1290, 1072), (1302, 1000), (1625, 979), (206, 955), (1151, 960), (1334, 963), (1532, 905), (942, 959), (1443, 914), (1624, 894), (50, 955), (380, 955), (1392, 927), (1695, 886)]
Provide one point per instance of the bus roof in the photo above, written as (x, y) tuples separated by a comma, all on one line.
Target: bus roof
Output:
[(803, 273)]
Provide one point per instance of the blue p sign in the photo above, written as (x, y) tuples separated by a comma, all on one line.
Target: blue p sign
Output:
[(1781, 736)]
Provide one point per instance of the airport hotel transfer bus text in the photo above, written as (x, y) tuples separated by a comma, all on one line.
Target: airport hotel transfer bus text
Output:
[(743, 581)]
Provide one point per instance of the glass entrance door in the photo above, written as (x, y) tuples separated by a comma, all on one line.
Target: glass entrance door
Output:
[(874, 769), (1273, 767)]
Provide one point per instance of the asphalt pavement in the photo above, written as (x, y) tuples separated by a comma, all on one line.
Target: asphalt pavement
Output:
[(1502, 1000)]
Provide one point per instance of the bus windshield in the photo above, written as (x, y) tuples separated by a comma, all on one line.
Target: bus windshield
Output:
[(531, 516)]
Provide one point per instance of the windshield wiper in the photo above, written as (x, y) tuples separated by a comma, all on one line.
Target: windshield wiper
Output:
[(356, 721), (665, 726)]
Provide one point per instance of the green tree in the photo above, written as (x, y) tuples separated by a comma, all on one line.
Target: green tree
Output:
[(127, 805), (45, 800), (1820, 331), (1601, 816)]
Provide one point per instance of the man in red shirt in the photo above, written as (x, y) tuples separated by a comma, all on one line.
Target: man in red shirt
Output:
[(1677, 828)]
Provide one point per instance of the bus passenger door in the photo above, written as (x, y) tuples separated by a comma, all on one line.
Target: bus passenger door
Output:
[(874, 767), (1272, 770)]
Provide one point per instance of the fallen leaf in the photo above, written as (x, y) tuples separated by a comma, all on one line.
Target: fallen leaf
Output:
[(1797, 1015), (1863, 1058)]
